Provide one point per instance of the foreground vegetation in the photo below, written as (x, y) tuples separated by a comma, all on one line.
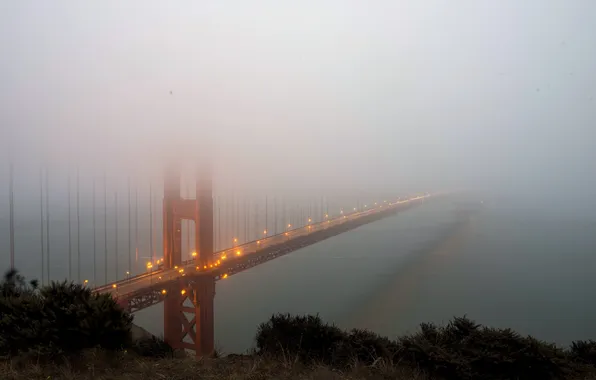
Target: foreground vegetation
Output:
[(63, 331)]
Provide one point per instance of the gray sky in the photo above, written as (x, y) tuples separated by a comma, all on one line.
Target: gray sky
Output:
[(326, 94)]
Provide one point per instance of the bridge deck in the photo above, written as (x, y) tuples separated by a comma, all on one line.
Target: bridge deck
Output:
[(144, 290)]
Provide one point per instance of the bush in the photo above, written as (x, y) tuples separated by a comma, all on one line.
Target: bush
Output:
[(465, 350), (58, 318), (306, 338), (461, 349), (309, 340), (153, 347), (584, 351), (365, 347)]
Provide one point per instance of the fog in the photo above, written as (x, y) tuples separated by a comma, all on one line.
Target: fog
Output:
[(367, 96)]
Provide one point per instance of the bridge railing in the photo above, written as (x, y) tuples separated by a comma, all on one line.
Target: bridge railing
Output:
[(253, 246)]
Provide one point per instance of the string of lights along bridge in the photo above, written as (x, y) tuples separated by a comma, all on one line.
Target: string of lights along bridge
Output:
[(167, 240)]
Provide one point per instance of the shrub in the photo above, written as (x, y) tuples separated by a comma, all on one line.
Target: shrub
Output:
[(58, 318), (465, 350), (308, 339), (153, 347), (82, 319), (462, 349), (365, 347), (584, 351), (304, 337)]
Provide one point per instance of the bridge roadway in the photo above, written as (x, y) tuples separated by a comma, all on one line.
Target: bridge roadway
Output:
[(152, 286)]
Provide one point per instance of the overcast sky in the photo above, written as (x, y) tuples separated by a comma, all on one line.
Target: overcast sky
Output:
[(356, 94)]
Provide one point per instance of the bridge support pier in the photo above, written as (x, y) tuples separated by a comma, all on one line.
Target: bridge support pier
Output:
[(189, 321)]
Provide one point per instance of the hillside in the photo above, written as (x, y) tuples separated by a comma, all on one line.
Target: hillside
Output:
[(64, 331), (97, 365)]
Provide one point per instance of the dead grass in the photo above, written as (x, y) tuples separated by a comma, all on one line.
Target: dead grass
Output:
[(98, 365)]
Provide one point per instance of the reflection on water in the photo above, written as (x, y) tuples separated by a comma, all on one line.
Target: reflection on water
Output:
[(532, 270)]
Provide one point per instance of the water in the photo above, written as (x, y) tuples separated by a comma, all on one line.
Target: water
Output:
[(525, 268), (532, 271)]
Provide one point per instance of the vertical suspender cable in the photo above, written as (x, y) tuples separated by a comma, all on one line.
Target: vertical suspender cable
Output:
[(11, 200), (188, 224), (69, 233), (116, 254), (151, 222), (48, 223), (218, 224), (136, 228), (43, 274), (78, 229), (94, 235), (105, 227), (275, 215), (129, 233)]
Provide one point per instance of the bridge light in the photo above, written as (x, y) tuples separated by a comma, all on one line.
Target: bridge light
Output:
[(114, 286), (181, 270), (159, 278), (183, 292), (218, 262), (163, 291), (224, 257), (326, 215), (238, 253), (197, 268), (235, 240), (309, 220), (225, 275), (210, 265), (264, 232), (194, 254), (258, 242), (289, 225), (286, 234), (175, 266), (204, 266), (86, 282)]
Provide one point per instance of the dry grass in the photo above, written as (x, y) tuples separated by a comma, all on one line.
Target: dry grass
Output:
[(98, 365)]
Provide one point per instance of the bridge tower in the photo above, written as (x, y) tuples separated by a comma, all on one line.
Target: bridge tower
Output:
[(189, 312)]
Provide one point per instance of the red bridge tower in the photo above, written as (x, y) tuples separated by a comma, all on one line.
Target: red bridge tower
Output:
[(189, 325)]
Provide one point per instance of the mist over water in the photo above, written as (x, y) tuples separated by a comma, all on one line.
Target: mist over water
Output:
[(314, 107), (501, 268)]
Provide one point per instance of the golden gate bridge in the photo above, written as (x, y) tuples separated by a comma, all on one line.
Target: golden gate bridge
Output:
[(184, 272)]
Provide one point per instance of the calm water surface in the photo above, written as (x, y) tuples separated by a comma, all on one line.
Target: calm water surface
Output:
[(510, 266), (530, 271)]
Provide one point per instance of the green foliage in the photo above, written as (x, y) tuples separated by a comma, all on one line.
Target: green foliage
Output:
[(310, 340), (57, 319), (153, 347), (305, 337), (465, 350), (584, 351), (461, 349)]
